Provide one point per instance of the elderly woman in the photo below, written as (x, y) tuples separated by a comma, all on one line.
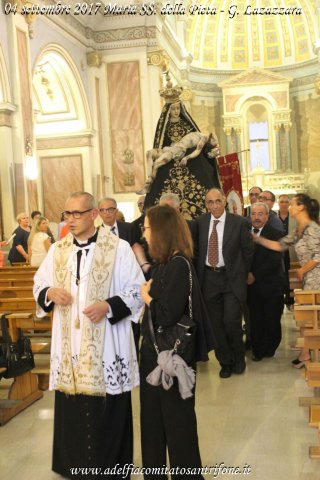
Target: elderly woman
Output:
[(19, 250), (167, 420), (39, 242), (306, 241)]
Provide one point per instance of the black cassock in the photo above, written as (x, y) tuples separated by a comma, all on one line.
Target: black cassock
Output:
[(91, 432), (190, 182)]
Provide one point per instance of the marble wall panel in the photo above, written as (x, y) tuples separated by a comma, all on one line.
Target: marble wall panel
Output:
[(101, 184), (306, 118), (32, 195), (126, 126), (20, 205), (26, 109), (67, 142), (61, 176), (25, 91)]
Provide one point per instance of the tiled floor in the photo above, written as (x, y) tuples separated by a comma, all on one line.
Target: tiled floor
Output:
[(252, 419)]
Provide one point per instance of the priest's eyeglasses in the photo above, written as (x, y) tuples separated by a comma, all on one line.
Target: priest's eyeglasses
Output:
[(75, 213)]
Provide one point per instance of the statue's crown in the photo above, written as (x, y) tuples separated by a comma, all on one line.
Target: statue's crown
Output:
[(170, 93)]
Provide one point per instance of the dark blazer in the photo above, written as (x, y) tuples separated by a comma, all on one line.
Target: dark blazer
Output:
[(136, 225), (126, 232), (237, 250), (267, 266)]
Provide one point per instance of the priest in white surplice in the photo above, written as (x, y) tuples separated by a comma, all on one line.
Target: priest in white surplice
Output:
[(91, 280)]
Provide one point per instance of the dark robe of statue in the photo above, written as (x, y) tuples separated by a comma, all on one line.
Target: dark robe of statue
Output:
[(190, 182)]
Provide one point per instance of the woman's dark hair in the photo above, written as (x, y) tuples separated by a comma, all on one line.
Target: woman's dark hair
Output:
[(310, 204), (169, 233)]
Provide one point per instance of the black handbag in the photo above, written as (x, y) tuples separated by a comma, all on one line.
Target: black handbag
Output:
[(181, 337), (17, 357)]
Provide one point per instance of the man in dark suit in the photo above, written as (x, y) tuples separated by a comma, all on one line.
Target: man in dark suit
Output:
[(269, 199), (108, 211), (224, 253), (254, 193), (266, 282), (137, 224)]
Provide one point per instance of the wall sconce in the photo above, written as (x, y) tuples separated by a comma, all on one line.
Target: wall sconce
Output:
[(31, 168)]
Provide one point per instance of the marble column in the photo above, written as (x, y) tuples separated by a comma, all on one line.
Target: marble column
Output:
[(7, 203)]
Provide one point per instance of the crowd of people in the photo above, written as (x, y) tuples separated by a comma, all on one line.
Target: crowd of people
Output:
[(98, 281)]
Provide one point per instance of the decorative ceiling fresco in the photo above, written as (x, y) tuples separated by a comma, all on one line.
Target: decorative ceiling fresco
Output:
[(259, 33)]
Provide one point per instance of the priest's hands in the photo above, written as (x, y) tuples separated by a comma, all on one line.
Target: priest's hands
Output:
[(97, 311), (59, 296)]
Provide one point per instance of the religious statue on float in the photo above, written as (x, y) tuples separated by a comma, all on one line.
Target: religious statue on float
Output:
[(183, 160)]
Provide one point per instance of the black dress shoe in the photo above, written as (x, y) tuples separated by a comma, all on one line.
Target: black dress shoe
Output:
[(256, 359), (225, 371), (239, 367), (270, 354)]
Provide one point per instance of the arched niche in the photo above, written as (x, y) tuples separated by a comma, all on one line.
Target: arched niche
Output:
[(59, 98), (63, 128), (257, 112), (242, 95)]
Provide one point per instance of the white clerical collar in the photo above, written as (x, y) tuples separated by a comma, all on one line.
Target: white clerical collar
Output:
[(88, 241)]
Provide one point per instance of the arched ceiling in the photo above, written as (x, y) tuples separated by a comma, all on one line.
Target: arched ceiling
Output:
[(244, 41), (59, 98)]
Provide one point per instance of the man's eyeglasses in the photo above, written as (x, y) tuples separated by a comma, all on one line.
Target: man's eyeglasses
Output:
[(107, 210), (140, 204), (143, 229), (75, 213), (253, 194), (264, 199)]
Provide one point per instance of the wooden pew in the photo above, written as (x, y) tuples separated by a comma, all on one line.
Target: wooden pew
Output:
[(23, 304), (17, 268), (16, 296), (21, 274), (15, 292), (16, 282), (307, 314), (26, 388)]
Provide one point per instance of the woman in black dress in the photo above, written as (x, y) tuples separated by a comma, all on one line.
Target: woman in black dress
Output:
[(168, 421), (19, 250)]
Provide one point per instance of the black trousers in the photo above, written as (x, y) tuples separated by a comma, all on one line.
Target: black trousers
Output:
[(167, 421), (265, 321), (92, 432), (224, 310)]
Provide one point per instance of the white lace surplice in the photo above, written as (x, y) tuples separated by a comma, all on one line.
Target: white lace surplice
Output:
[(120, 364)]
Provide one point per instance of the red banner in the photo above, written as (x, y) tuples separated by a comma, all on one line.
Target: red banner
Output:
[(230, 176)]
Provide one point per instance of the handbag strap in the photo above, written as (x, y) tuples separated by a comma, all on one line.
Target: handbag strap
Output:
[(5, 329), (153, 337), (190, 283)]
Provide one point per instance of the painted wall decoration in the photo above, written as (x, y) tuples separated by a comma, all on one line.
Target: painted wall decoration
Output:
[(126, 126)]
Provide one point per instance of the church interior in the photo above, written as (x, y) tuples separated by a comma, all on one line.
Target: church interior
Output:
[(80, 100)]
